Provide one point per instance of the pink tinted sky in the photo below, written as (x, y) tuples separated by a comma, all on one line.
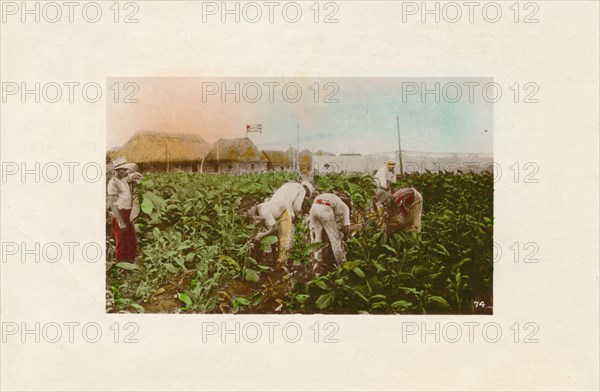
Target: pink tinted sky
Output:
[(363, 120)]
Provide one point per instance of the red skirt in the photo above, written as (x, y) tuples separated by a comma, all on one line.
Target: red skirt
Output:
[(125, 240)]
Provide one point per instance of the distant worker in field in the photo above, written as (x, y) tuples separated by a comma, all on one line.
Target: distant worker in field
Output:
[(385, 176), (277, 214), (403, 209), (327, 209), (121, 198)]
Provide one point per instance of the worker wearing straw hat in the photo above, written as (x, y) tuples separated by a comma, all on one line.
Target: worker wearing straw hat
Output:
[(385, 176), (121, 200)]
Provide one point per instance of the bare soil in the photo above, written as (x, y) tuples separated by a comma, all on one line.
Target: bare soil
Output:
[(165, 299)]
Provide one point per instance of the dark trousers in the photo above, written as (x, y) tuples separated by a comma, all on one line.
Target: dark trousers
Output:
[(125, 240)]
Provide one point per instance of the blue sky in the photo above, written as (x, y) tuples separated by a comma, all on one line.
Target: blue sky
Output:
[(363, 120)]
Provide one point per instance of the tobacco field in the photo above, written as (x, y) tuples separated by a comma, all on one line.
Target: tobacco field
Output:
[(195, 254)]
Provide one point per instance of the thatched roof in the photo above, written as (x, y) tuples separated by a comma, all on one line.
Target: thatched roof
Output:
[(239, 150), (280, 158), (305, 159), (322, 153), (147, 146)]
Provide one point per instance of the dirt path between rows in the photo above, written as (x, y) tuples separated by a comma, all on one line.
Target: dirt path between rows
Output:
[(166, 299), (273, 284)]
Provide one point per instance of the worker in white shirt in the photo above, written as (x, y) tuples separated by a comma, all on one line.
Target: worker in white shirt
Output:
[(278, 212), (121, 200), (385, 176), (325, 211)]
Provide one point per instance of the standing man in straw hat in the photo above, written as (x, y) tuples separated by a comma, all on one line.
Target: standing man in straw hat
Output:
[(121, 197), (385, 176)]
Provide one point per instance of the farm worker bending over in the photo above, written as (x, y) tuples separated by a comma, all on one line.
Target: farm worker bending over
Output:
[(121, 199), (324, 213), (278, 212), (404, 208), (385, 176)]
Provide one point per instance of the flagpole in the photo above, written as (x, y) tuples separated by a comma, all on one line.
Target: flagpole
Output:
[(253, 128), (298, 147)]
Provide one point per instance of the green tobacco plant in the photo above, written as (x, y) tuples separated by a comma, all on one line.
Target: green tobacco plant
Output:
[(189, 226), (360, 187), (439, 270), (188, 221)]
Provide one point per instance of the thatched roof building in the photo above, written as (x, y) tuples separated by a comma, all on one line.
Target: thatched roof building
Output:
[(286, 160), (278, 160), (163, 151), (305, 159), (321, 153), (235, 155)]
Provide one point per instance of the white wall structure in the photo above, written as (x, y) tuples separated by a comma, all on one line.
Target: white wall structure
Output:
[(412, 161)]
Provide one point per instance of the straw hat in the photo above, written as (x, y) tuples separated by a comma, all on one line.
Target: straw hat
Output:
[(120, 163)]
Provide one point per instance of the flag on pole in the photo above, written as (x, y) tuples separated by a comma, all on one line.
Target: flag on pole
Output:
[(254, 128)]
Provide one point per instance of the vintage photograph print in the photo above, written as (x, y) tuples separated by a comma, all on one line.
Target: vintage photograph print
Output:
[(300, 195)]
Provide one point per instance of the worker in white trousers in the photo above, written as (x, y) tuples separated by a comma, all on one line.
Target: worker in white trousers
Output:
[(325, 212), (278, 213)]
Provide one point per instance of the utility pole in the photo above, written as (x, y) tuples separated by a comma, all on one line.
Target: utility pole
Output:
[(399, 148), (298, 146), (218, 160), (167, 155)]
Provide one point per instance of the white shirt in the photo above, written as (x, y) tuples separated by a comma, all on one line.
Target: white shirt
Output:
[(289, 196), (382, 177), (120, 188), (340, 209)]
